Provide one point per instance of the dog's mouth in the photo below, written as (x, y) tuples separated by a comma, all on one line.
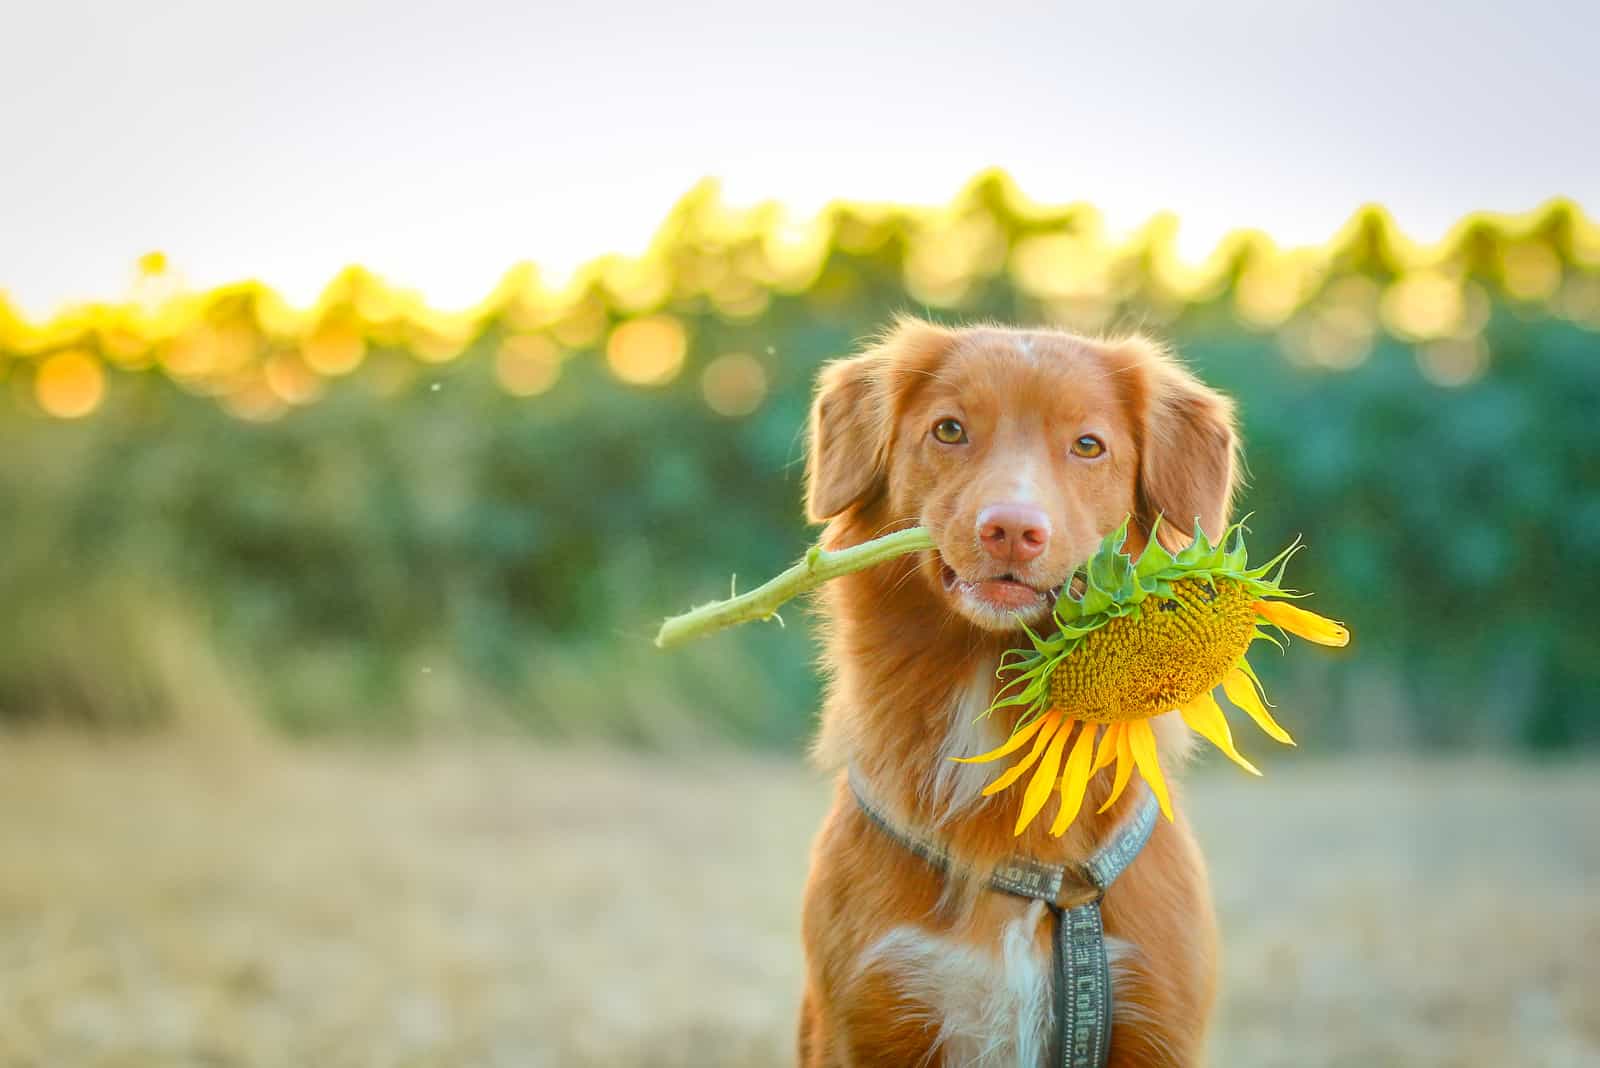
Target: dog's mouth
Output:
[(1001, 593)]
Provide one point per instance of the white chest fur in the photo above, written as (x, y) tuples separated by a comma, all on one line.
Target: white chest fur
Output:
[(953, 787), (990, 1005)]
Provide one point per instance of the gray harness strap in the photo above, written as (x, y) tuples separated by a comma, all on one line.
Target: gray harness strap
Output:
[(1082, 972)]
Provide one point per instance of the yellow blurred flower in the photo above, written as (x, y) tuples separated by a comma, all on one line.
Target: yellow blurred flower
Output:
[(70, 385)]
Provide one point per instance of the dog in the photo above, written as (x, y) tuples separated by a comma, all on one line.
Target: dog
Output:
[(1018, 450)]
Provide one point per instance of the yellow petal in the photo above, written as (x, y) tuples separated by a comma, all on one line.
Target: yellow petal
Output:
[(1308, 625), (1015, 771), (1039, 786), (1108, 748), (1012, 744), (1142, 740), (1241, 691), (1074, 780), (1204, 715), (1250, 673), (1124, 763)]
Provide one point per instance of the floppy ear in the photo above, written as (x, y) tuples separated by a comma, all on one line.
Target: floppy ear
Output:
[(853, 416), (1187, 463), (849, 436)]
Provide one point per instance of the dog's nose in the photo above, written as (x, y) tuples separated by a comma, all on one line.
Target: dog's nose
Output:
[(1015, 533)]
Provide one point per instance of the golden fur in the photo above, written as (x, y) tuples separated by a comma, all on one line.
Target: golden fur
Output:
[(911, 663)]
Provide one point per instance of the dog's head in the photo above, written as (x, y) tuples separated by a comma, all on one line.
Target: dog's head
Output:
[(1018, 450)]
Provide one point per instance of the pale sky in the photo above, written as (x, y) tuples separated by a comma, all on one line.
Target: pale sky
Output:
[(440, 143)]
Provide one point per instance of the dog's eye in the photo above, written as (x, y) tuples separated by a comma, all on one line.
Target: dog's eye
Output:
[(950, 432), (1088, 447)]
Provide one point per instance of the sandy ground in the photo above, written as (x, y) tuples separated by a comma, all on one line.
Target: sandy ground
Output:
[(163, 903)]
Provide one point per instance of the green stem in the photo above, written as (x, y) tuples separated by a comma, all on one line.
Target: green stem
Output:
[(817, 567)]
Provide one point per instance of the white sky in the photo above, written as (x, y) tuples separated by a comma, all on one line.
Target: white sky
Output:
[(440, 143)]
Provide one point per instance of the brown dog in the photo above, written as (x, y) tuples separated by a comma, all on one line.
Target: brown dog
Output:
[(1018, 450)]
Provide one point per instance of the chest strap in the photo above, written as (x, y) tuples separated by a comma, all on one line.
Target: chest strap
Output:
[(1072, 892)]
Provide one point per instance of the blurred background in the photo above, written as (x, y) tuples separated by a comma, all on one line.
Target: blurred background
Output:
[(330, 727)]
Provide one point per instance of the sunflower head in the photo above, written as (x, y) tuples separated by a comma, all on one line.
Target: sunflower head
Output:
[(1143, 638)]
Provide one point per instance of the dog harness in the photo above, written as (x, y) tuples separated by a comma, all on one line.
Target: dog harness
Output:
[(1072, 892)]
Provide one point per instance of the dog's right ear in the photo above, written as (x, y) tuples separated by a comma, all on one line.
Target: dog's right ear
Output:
[(852, 419), (846, 462)]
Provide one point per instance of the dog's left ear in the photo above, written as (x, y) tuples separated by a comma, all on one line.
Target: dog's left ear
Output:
[(1188, 465)]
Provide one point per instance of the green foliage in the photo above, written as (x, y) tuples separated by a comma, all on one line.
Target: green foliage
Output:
[(419, 549)]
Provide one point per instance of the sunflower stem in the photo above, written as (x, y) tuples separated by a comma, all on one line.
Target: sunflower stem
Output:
[(816, 567)]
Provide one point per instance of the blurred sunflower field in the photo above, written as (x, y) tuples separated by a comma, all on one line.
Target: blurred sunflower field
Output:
[(373, 516)]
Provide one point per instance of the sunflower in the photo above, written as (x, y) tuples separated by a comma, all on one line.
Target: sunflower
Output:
[(1144, 638)]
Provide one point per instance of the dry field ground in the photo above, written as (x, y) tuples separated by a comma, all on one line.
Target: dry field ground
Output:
[(173, 903)]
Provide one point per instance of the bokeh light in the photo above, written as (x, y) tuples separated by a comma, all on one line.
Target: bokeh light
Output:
[(1580, 301), (580, 323), (253, 400), (189, 355), (943, 262), (1424, 304), (527, 365), (1453, 362), (289, 377), (1531, 272), (70, 385), (124, 347), (649, 351), (1268, 293), (334, 350), (1060, 266), (734, 385)]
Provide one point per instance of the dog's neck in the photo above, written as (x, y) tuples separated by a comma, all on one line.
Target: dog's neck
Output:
[(912, 681)]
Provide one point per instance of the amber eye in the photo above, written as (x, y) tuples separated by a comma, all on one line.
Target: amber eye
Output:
[(1088, 447), (950, 432)]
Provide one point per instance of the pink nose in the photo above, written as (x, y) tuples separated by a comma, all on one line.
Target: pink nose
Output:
[(1015, 533)]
